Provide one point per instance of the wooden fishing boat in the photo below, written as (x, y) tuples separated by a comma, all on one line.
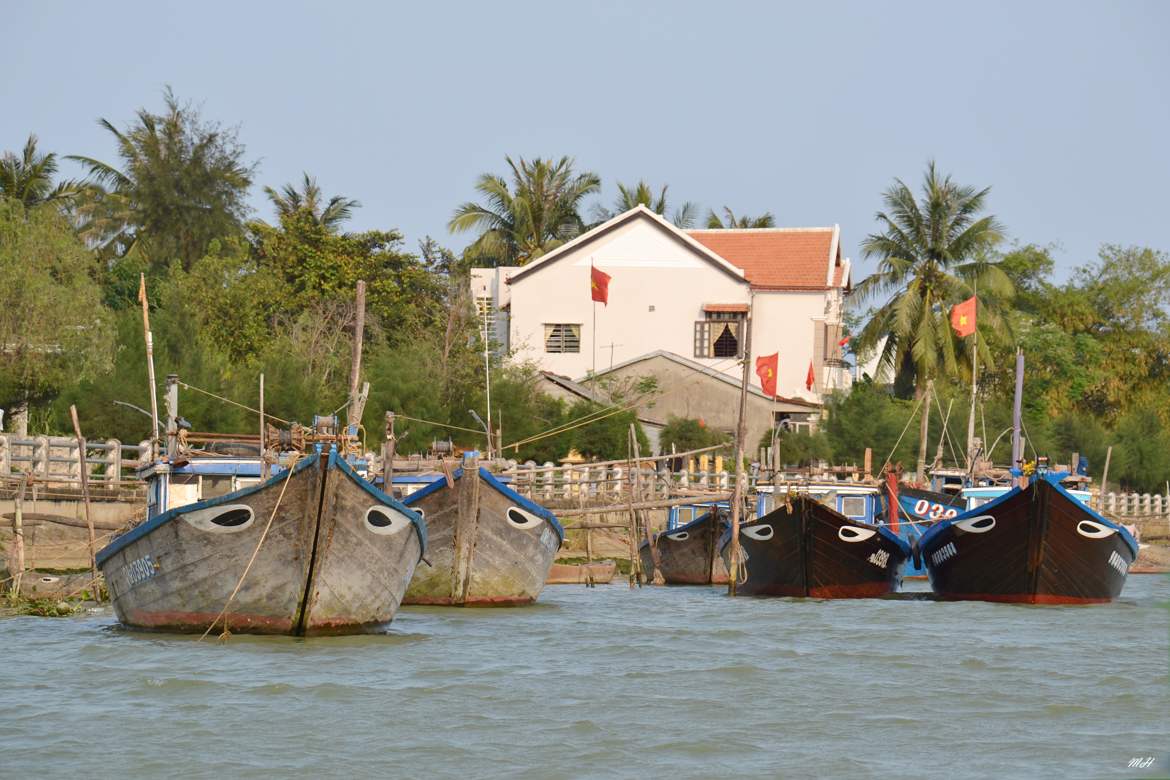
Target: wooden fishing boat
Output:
[(916, 510), (804, 548), (313, 550), (1033, 545), (488, 545), (595, 573), (686, 554)]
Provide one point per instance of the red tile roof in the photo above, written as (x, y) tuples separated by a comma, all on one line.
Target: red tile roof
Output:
[(777, 259), (726, 307)]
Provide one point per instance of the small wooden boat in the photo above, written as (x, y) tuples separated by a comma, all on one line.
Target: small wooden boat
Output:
[(1035, 545), (313, 550), (595, 573), (804, 548), (686, 554), (489, 546)]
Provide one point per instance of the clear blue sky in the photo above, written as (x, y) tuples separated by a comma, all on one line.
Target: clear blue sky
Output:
[(808, 110)]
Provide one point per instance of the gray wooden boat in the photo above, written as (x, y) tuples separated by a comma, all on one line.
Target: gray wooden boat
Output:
[(489, 546), (332, 553)]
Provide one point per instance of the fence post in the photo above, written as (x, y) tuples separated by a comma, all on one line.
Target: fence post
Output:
[(40, 463), (114, 462), (5, 457)]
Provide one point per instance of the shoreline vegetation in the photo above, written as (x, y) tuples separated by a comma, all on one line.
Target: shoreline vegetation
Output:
[(235, 293)]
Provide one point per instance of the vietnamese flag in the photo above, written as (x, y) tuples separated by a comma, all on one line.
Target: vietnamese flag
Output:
[(599, 285), (811, 378), (843, 341), (767, 367), (963, 318)]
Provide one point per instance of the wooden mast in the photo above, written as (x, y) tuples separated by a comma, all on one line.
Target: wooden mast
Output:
[(356, 402), (1017, 417), (740, 436), (149, 366)]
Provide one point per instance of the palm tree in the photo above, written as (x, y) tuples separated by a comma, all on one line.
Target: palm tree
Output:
[(29, 177), (289, 200), (765, 220), (642, 194), (932, 253), (182, 184), (537, 214)]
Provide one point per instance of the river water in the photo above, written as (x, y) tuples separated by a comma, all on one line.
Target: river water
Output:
[(604, 682)]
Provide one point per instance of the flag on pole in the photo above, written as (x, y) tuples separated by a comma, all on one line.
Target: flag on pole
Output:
[(811, 379), (844, 341), (767, 367), (963, 317), (599, 285)]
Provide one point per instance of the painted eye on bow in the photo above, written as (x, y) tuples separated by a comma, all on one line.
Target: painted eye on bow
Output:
[(385, 521), (761, 533), (222, 519), (525, 521), (976, 525), (681, 536), (1091, 530), (848, 533)]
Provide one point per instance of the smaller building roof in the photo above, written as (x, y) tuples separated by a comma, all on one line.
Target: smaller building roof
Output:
[(733, 308), (782, 258)]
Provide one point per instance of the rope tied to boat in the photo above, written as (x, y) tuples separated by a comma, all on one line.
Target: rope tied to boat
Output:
[(223, 613)]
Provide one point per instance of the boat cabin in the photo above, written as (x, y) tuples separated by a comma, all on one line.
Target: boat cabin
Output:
[(857, 502)]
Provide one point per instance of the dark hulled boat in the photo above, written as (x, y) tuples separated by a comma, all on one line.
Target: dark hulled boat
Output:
[(1036, 545), (489, 546), (332, 554), (686, 555), (804, 548)]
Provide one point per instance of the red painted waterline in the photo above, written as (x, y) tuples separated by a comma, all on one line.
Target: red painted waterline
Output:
[(866, 590), (199, 621), (1022, 598), (495, 601)]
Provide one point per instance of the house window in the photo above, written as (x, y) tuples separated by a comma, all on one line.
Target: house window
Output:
[(562, 337), (717, 336)]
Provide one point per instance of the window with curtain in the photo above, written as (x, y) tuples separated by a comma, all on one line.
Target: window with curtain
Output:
[(717, 336)]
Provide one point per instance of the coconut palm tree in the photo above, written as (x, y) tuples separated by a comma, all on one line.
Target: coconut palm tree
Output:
[(28, 177), (290, 200), (932, 253), (642, 194), (765, 220), (537, 213)]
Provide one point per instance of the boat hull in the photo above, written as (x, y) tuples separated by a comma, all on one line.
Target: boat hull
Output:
[(806, 549), (488, 546), (1033, 546), (686, 555), (178, 572)]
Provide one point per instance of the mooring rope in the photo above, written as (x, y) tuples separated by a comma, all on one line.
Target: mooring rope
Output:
[(233, 403), (263, 536)]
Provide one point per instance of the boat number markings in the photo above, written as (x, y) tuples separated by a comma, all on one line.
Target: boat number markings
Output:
[(924, 508), (944, 553), (1117, 562), (140, 570), (879, 559)]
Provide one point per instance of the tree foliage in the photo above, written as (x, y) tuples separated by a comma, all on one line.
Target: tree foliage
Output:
[(29, 177), (642, 194), (730, 221)]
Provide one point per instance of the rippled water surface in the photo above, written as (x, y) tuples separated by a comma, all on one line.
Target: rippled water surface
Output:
[(678, 682)]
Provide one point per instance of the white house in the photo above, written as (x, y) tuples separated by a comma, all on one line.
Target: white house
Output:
[(685, 292)]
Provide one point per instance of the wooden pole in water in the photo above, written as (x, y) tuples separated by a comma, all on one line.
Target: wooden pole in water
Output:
[(149, 366), (740, 436), (97, 596), (655, 575), (354, 414), (18, 537), (635, 562), (263, 454), (1105, 474)]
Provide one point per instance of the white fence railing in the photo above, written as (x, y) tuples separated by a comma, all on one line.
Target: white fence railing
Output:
[(1136, 504), (54, 458)]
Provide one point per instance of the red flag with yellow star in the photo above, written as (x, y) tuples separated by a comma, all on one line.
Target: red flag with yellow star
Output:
[(963, 318), (767, 366), (599, 285)]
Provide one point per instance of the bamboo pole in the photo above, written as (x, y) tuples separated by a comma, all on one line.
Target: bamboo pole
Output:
[(97, 596), (18, 538), (635, 562), (655, 561), (263, 455), (740, 436), (1105, 473), (924, 431), (354, 413), (149, 366), (388, 447)]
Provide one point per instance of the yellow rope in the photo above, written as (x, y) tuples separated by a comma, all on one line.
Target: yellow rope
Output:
[(233, 403), (255, 553), (439, 424)]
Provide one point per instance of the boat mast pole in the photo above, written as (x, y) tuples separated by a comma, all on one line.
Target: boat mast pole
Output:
[(487, 378), (354, 413), (974, 386), (740, 436), (149, 366), (1017, 416)]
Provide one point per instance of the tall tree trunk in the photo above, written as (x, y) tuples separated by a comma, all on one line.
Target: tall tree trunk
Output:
[(923, 428)]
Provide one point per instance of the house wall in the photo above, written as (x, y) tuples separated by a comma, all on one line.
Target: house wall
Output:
[(657, 293), (685, 393)]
